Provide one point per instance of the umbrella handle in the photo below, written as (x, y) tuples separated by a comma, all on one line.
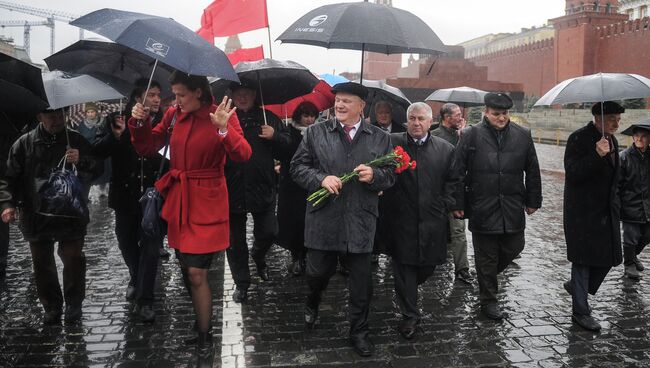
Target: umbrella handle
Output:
[(146, 92), (259, 83)]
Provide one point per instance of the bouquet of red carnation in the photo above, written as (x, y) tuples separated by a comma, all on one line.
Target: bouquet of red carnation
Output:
[(399, 158)]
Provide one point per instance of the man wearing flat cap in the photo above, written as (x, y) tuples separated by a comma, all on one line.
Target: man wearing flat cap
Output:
[(344, 226), (634, 191), (591, 207), (497, 162)]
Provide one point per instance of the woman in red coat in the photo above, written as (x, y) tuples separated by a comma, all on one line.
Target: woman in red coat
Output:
[(194, 188)]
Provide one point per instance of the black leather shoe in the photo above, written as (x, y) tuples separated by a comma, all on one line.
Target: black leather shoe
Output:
[(343, 270), (130, 293), (586, 322), (72, 313), (147, 314), (492, 311), (639, 265), (311, 315), (465, 276), (568, 287), (263, 273), (52, 317), (163, 253), (204, 350), (407, 328), (240, 295), (361, 345), (195, 339)]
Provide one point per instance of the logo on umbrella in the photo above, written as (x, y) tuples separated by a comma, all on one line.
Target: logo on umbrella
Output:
[(318, 20), (157, 48)]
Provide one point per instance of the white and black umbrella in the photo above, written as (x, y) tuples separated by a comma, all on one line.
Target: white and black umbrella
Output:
[(598, 87), (463, 96), (65, 90), (364, 26)]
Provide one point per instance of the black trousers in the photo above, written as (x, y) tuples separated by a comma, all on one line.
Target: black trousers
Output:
[(492, 254), (46, 276), (321, 266), (636, 237), (140, 253), (265, 229), (4, 248), (585, 279), (407, 279)]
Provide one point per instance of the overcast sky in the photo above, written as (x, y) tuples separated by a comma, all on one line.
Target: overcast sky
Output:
[(453, 21)]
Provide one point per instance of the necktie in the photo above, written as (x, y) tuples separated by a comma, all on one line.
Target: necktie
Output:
[(347, 130)]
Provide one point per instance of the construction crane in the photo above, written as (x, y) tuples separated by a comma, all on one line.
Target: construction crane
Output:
[(49, 15)]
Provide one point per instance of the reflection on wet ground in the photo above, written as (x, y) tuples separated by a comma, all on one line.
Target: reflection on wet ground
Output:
[(537, 332)]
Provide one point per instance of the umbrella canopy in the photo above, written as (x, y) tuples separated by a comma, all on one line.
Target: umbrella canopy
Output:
[(333, 79), (380, 91), (276, 81), (644, 124), (163, 39), (64, 90), (114, 64), (364, 26), (597, 88), (21, 86), (463, 96), (322, 97)]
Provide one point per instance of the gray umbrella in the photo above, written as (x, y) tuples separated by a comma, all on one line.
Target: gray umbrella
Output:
[(364, 26), (64, 89), (463, 96), (599, 87)]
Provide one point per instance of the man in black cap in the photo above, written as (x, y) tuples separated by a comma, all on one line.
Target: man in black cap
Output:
[(634, 191), (492, 158), (32, 159), (343, 228), (591, 207), (252, 187)]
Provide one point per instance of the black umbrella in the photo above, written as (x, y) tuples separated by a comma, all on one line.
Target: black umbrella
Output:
[(114, 64), (645, 124), (163, 39), (276, 81), (380, 91), (21, 86), (364, 26)]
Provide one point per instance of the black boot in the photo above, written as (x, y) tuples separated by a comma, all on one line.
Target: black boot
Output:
[(204, 350), (195, 339), (629, 261)]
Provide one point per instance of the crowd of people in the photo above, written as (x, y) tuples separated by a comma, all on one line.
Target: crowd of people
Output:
[(223, 167)]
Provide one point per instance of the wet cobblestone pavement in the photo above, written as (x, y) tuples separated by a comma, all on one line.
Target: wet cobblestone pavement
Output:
[(536, 333)]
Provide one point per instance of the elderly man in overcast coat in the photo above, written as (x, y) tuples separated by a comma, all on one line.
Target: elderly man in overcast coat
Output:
[(591, 207), (417, 209), (344, 228)]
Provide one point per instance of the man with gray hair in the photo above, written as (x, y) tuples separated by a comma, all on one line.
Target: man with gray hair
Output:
[(452, 122), (421, 199), (384, 118)]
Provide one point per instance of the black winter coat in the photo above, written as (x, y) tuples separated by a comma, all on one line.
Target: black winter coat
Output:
[(447, 134), (252, 184), (499, 191), (591, 202), (31, 160), (131, 173), (292, 199), (417, 206), (634, 185), (346, 223)]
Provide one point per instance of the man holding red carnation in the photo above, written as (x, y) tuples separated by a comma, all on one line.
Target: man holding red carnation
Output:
[(497, 161), (421, 199), (343, 225)]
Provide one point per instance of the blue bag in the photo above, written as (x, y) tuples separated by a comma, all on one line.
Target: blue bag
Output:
[(62, 195)]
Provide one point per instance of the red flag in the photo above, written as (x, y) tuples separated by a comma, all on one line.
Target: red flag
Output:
[(252, 54), (206, 28), (322, 97), (229, 17)]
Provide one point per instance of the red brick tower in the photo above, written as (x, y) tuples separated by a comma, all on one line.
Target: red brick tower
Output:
[(381, 66), (576, 41)]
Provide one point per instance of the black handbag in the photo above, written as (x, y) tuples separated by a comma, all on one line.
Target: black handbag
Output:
[(151, 201), (62, 195)]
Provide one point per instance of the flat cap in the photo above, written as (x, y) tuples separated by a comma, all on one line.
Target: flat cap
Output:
[(498, 100), (609, 107), (351, 88)]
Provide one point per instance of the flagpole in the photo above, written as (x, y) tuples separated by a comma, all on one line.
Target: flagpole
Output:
[(268, 28)]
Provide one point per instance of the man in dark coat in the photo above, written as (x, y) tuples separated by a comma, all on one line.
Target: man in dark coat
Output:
[(252, 187), (420, 201), (31, 160), (343, 228), (384, 118), (449, 129), (131, 176), (591, 207), (634, 191), (497, 161)]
